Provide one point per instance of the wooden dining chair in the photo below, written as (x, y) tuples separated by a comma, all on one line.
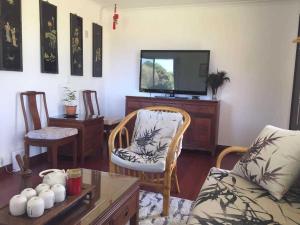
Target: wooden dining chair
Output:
[(90, 100), (50, 137)]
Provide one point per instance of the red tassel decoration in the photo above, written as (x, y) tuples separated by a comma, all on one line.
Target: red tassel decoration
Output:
[(115, 18)]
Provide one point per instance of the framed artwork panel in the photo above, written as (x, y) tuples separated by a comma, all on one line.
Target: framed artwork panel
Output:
[(48, 24), (97, 50), (11, 35), (76, 45)]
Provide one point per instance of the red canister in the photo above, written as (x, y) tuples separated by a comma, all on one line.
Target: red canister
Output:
[(74, 182)]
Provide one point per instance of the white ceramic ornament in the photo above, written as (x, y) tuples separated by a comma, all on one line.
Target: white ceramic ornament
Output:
[(42, 187), (35, 207), (59, 192), (48, 197), (54, 176), (28, 193), (17, 205)]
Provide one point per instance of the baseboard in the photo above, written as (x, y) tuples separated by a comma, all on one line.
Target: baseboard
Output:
[(33, 161)]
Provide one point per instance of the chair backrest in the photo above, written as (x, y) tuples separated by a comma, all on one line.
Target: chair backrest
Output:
[(88, 96), (31, 97)]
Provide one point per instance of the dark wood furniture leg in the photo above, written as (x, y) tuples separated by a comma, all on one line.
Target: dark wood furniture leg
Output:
[(74, 147), (54, 156)]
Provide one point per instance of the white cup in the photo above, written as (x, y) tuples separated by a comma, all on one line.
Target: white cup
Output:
[(28, 193), (17, 205), (35, 207), (42, 187), (59, 192), (48, 197)]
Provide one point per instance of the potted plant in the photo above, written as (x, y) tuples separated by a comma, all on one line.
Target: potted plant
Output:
[(70, 101), (216, 80)]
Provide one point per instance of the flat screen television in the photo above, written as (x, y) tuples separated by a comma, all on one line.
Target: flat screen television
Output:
[(174, 71)]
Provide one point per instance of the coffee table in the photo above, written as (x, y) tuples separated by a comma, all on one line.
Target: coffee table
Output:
[(115, 201)]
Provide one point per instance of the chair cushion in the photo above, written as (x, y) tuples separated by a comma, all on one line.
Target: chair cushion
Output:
[(52, 133), (111, 120), (226, 198), (154, 129), (152, 136), (129, 159), (273, 160)]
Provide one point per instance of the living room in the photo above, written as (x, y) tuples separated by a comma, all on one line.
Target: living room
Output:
[(249, 39)]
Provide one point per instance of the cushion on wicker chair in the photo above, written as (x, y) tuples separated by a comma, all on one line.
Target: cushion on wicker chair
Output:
[(152, 136), (273, 160), (226, 198), (129, 159), (52, 133)]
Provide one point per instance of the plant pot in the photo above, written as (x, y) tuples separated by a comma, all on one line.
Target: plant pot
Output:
[(70, 110), (214, 94)]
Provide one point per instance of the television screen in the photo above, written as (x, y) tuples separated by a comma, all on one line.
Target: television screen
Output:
[(171, 71)]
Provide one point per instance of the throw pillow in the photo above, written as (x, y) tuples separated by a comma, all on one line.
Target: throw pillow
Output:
[(273, 160)]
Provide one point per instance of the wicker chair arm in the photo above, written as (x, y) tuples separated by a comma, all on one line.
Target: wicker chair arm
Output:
[(116, 130), (226, 151), (176, 140)]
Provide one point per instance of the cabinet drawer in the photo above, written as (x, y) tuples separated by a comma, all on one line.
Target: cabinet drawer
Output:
[(197, 109), (126, 211)]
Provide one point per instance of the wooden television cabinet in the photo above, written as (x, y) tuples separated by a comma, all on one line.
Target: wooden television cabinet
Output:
[(202, 133)]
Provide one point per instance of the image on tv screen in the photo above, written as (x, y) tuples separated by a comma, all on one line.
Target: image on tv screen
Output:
[(158, 74)]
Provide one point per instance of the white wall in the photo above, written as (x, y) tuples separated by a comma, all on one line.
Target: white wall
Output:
[(12, 124), (251, 41)]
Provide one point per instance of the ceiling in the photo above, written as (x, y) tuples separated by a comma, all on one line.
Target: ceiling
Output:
[(157, 3)]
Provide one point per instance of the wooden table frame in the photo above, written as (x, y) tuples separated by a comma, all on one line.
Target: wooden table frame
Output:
[(90, 133)]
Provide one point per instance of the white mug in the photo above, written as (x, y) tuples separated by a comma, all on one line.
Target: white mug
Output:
[(42, 187), (17, 205), (59, 192), (35, 207), (48, 197), (28, 193)]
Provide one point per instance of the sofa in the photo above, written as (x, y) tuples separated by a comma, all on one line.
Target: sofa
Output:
[(227, 198)]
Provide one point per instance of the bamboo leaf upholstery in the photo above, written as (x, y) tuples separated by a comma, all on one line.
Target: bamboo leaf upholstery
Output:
[(151, 139)]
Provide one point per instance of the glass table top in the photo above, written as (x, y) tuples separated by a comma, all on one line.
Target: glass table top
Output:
[(108, 189)]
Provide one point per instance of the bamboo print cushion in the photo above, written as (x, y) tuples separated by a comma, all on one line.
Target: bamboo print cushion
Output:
[(273, 160), (152, 136), (154, 129)]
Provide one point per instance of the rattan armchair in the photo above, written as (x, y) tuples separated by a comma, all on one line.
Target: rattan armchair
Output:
[(229, 150), (161, 182)]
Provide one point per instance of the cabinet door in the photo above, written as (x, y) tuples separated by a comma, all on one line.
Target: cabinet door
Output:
[(198, 135)]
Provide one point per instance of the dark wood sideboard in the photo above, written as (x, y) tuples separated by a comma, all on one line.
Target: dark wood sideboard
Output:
[(202, 133)]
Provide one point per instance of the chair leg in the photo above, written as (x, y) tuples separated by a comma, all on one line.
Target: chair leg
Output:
[(166, 194), (49, 155), (27, 149), (74, 148), (54, 156), (175, 179)]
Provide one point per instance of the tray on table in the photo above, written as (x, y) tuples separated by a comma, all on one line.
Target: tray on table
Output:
[(7, 219)]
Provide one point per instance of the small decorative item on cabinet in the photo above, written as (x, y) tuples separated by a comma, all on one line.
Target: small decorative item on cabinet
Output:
[(70, 102), (216, 80)]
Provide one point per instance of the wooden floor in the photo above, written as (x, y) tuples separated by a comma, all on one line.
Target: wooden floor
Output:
[(193, 166)]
